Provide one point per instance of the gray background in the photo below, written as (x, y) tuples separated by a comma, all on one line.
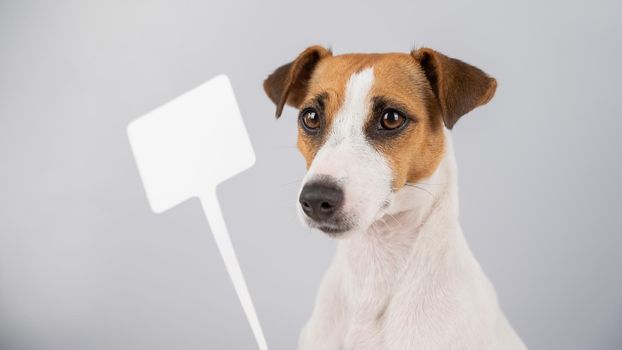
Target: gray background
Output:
[(84, 264)]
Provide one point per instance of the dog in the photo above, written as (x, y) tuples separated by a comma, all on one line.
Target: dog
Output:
[(374, 130)]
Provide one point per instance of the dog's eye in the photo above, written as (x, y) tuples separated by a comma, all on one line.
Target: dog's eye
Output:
[(310, 119), (391, 120)]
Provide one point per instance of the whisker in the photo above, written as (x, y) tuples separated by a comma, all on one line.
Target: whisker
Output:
[(421, 188), (396, 220), (427, 183), (422, 183)]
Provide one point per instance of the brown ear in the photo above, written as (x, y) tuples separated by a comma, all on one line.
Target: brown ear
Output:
[(458, 86), (288, 84)]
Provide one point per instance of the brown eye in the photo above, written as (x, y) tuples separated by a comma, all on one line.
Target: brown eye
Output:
[(391, 120), (310, 119)]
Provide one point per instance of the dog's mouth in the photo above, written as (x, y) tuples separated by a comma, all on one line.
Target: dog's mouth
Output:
[(332, 230)]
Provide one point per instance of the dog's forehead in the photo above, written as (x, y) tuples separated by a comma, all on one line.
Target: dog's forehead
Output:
[(395, 74)]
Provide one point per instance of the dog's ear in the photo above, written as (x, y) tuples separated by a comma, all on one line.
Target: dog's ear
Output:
[(458, 86), (289, 83)]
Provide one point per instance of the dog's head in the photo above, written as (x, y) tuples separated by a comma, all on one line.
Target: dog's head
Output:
[(369, 124)]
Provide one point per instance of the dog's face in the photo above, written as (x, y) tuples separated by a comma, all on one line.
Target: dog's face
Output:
[(370, 123)]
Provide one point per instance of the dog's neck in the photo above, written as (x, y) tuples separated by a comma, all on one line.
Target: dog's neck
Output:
[(421, 224)]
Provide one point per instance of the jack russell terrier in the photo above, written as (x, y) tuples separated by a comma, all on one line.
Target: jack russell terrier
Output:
[(374, 131)]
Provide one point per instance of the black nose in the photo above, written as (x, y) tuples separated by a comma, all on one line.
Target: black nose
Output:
[(320, 201)]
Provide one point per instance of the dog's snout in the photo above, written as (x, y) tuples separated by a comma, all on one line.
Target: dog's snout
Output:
[(320, 201)]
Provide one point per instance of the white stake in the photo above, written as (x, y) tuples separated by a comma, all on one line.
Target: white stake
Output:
[(184, 149)]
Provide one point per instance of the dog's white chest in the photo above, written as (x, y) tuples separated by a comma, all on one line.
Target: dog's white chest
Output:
[(370, 266)]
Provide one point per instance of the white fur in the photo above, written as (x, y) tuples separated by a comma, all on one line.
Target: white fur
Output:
[(347, 156), (405, 278)]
